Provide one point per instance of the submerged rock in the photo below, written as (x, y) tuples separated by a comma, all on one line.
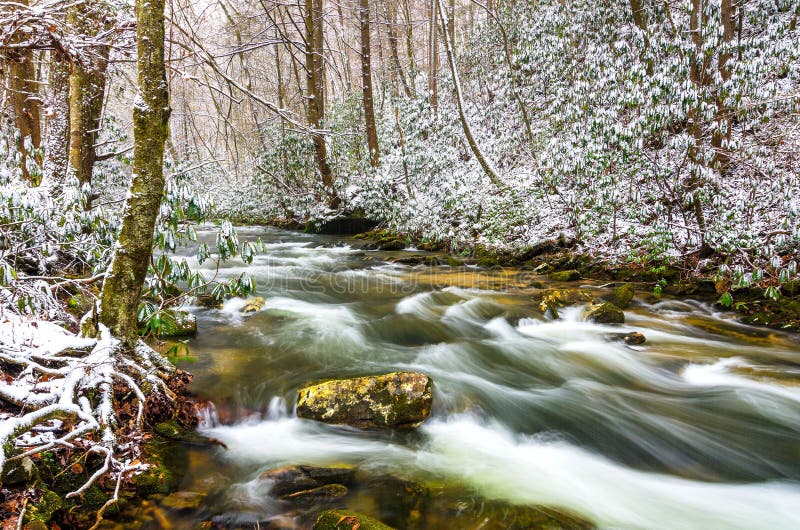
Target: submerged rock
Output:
[(322, 495), (605, 313), (183, 500), (253, 304), (294, 479), (178, 324), (633, 338), (395, 400), (346, 520), (565, 276)]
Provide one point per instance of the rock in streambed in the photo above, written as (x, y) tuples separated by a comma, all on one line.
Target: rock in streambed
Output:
[(395, 400)]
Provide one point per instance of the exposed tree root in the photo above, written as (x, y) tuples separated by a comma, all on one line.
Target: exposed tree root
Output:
[(70, 400)]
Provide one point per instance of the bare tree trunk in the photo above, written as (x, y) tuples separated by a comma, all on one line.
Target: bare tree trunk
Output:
[(412, 62), (87, 87), (723, 117), (448, 46), (132, 254), (639, 14), (56, 140), (433, 55), (25, 103), (391, 16), (315, 88), (697, 74), (366, 84)]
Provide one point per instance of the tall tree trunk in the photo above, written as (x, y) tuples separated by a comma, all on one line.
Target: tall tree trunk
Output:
[(698, 76), (412, 62), (433, 55), (315, 89), (366, 84), (473, 145), (56, 140), (639, 14), (132, 253), (25, 103), (723, 118), (87, 87), (391, 16)]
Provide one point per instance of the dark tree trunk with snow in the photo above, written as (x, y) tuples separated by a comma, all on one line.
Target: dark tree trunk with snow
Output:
[(126, 275), (366, 84)]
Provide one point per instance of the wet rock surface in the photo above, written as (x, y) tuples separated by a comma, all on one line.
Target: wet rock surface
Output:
[(606, 313), (347, 520), (395, 400)]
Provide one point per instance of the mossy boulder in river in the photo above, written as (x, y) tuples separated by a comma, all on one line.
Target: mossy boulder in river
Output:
[(253, 305), (621, 296), (395, 400), (346, 520), (606, 313), (565, 276)]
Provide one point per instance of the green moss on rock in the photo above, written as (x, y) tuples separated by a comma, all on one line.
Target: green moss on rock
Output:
[(48, 504), (346, 520), (565, 276), (606, 313), (622, 296), (395, 400)]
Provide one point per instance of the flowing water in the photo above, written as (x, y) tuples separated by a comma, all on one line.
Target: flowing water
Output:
[(697, 428)]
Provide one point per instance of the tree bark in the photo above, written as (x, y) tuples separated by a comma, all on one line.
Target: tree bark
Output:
[(87, 87), (24, 97), (315, 92), (366, 84), (433, 56), (723, 117), (132, 254), (56, 140), (391, 15)]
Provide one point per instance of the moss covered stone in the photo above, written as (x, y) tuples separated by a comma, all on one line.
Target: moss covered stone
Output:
[(606, 313), (621, 296), (565, 276), (253, 304), (395, 400), (44, 508), (346, 520)]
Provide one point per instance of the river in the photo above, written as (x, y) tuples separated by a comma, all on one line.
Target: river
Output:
[(697, 428)]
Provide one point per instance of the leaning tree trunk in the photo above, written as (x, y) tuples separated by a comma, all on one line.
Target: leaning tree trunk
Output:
[(366, 84), (126, 274), (473, 145)]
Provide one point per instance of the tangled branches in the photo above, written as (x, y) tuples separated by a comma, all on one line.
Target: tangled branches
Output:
[(65, 392)]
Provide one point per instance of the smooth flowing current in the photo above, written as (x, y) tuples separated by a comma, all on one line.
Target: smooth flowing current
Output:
[(699, 427)]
